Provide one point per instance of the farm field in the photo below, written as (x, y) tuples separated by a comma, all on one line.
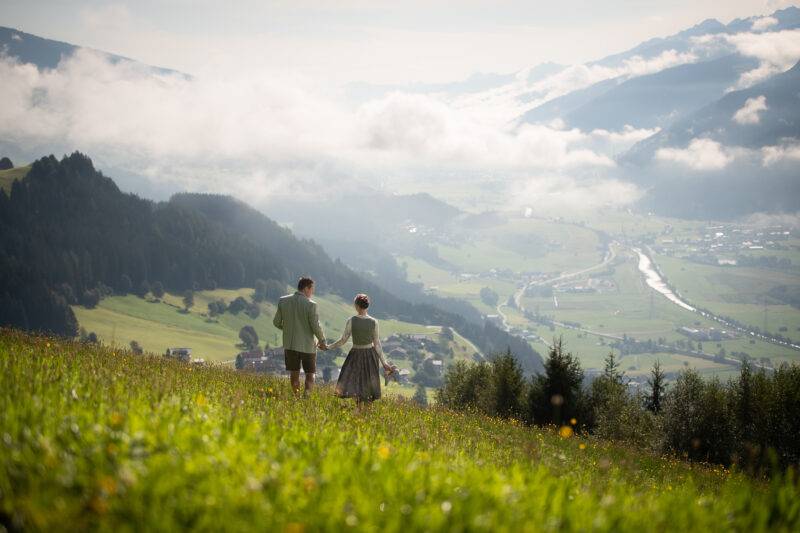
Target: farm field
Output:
[(526, 245), (738, 292), (103, 439), (446, 284)]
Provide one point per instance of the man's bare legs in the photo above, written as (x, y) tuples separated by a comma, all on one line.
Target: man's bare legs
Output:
[(294, 379)]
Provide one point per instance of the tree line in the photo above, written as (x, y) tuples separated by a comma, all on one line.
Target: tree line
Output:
[(751, 421)]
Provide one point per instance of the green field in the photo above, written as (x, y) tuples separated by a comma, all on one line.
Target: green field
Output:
[(98, 439), (7, 177), (738, 292), (525, 245)]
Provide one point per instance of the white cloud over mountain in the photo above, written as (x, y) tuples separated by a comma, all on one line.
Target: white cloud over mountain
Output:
[(749, 112), (776, 51), (701, 154), (255, 135)]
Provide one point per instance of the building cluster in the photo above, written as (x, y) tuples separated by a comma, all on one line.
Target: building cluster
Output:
[(705, 334), (728, 241)]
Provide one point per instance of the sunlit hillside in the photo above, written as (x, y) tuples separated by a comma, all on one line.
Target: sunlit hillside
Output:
[(101, 439)]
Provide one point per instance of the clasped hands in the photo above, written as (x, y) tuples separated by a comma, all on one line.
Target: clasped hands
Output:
[(322, 346)]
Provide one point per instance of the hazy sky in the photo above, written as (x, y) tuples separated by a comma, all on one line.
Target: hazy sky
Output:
[(365, 40)]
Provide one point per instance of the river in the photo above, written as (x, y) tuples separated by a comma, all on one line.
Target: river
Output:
[(654, 280)]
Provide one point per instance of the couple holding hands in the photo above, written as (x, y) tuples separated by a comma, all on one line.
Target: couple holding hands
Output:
[(298, 319)]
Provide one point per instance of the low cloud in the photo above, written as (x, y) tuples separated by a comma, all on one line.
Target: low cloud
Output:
[(749, 112), (700, 155), (763, 23), (506, 104), (772, 155), (254, 135), (776, 52), (551, 194)]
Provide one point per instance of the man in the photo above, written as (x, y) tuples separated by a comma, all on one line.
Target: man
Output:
[(297, 318)]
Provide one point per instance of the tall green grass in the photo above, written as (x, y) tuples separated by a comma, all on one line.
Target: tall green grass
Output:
[(97, 439)]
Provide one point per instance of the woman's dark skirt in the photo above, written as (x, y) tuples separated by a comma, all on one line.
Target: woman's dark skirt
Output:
[(359, 377)]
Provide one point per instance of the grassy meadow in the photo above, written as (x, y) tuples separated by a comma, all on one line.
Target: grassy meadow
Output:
[(8, 176), (100, 439)]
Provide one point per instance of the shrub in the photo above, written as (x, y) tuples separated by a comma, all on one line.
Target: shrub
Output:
[(697, 420)]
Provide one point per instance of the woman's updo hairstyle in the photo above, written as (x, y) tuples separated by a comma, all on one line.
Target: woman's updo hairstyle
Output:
[(362, 301)]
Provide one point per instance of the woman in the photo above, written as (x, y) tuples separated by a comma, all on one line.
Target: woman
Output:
[(359, 378)]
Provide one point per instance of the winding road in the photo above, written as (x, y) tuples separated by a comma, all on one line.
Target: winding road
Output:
[(610, 255)]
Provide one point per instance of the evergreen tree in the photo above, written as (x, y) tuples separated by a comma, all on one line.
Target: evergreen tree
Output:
[(125, 284), (275, 289), (744, 405), (420, 396), (260, 292), (90, 299), (158, 290), (657, 388), (509, 386), (188, 300), (556, 396), (144, 288)]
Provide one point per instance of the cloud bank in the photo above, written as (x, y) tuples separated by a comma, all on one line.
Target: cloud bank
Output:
[(257, 135)]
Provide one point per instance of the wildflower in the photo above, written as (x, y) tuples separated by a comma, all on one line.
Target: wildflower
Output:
[(107, 484), (294, 527), (115, 419), (201, 400), (384, 451), (565, 432), (582, 446)]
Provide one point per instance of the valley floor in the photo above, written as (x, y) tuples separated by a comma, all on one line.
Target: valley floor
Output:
[(96, 438)]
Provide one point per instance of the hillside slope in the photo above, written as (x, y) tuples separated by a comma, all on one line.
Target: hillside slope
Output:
[(102, 440)]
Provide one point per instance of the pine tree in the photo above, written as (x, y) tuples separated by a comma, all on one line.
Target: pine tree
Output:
[(188, 300), (125, 284), (158, 290), (744, 408), (509, 386), (657, 388), (420, 396), (260, 292), (556, 396)]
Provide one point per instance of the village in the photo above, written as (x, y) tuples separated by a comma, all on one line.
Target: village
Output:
[(420, 357)]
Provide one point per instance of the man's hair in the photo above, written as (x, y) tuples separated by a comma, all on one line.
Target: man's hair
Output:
[(361, 300), (304, 282)]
